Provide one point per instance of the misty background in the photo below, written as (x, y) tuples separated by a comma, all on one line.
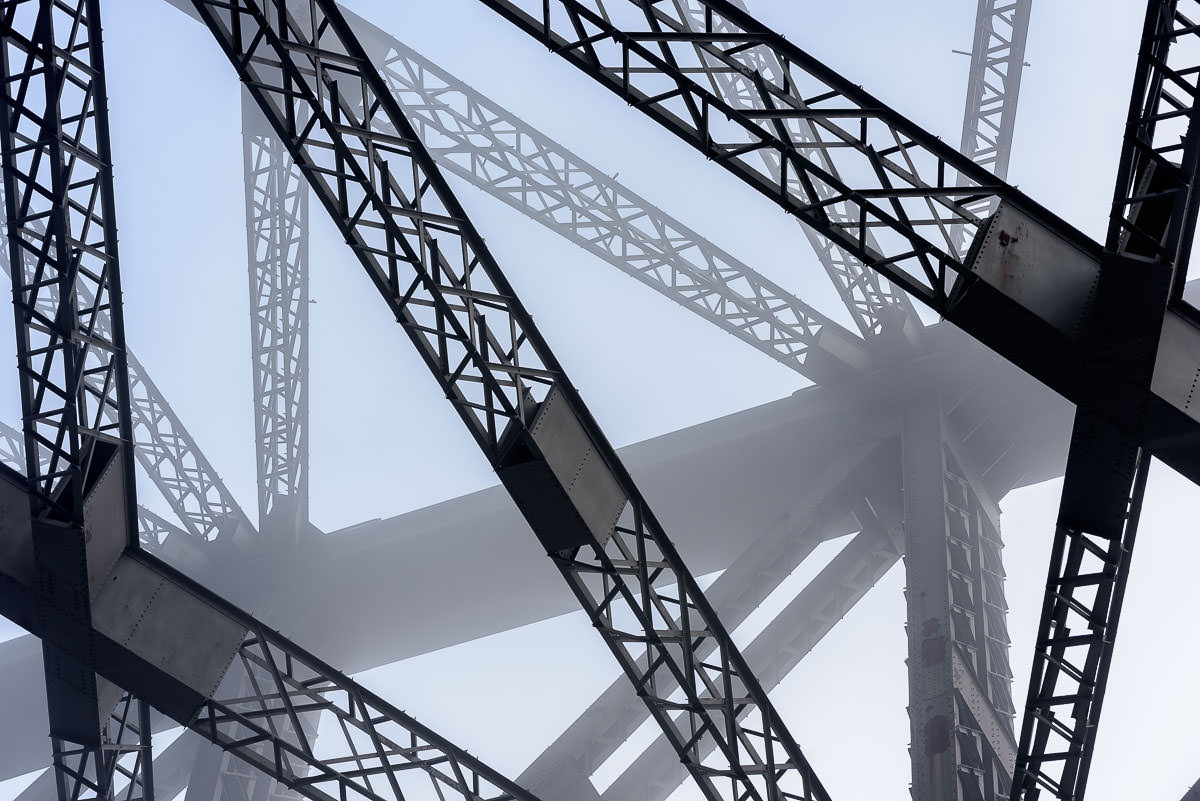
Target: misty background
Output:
[(384, 441)]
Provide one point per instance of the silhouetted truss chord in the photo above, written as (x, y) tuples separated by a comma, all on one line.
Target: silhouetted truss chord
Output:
[(993, 85), (371, 751), (828, 508), (905, 182), (309, 74), (532, 380)]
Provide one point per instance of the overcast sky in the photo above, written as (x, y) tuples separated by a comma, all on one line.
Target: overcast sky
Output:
[(384, 440)]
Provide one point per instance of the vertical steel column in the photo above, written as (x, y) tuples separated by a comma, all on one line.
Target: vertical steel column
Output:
[(960, 704), (71, 356), (1150, 233), (277, 247)]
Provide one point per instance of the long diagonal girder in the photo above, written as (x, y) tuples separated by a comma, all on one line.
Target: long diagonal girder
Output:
[(993, 86), (309, 75), (994, 82), (898, 197), (473, 137), (922, 198), (563, 768)]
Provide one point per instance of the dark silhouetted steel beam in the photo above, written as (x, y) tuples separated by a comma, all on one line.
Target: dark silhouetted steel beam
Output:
[(1149, 238), (389, 200)]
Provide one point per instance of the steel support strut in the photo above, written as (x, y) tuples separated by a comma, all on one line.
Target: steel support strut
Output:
[(994, 82), (1151, 226), (318, 88), (960, 702), (71, 357), (277, 244)]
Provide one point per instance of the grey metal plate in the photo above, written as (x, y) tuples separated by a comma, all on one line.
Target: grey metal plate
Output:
[(1039, 270), (166, 625)]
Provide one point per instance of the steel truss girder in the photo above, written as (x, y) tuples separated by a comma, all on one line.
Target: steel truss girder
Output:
[(908, 187), (309, 74), (960, 702), (1150, 232), (153, 529), (873, 303), (125, 753), (71, 360), (1089, 567), (471, 136), (647, 64), (202, 503), (1154, 210), (993, 85), (994, 82), (655, 774), (277, 246)]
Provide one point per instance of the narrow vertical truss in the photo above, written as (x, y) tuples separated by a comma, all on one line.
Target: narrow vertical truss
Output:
[(277, 246), (1151, 227), (994, 82), (1154, 208), (993, 86), (960, 701), (874, 304), (471, 136), (126, 761), (1089, 568), (311, 78), (70, 354)]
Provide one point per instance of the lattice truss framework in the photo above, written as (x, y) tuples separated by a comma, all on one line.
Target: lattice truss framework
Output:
[(276, 211), (489, 404)]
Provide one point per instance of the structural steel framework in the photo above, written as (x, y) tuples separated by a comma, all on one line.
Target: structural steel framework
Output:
[(353, 114)]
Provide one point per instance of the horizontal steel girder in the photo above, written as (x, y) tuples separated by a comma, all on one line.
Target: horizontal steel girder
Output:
[(1013, 427)]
